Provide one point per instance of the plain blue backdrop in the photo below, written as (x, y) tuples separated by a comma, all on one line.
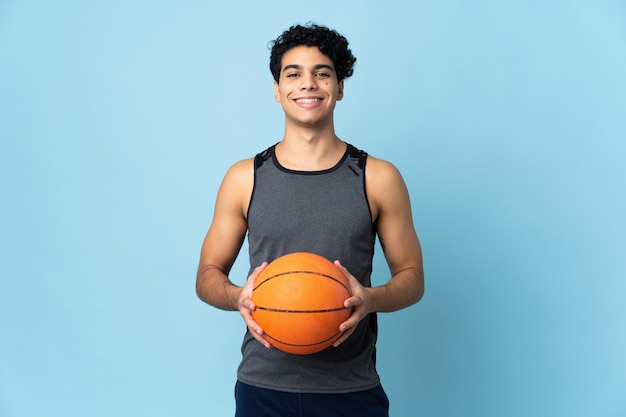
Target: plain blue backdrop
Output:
[(507, 119)]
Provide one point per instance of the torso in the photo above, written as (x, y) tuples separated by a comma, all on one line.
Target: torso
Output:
[(324, 212)]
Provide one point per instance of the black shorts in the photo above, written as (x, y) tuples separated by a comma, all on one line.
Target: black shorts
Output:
[(260, 402)]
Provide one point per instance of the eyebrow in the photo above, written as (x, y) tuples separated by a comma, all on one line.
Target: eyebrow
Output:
[(315, 67)]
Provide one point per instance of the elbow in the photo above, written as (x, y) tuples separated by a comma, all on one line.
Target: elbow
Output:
[(198, 288), (202, 282), (418, 293), (200, 291)]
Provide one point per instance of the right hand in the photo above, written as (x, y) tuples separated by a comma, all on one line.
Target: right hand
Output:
[(246, 306)]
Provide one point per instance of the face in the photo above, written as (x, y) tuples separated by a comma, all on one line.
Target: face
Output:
[(308, 87)]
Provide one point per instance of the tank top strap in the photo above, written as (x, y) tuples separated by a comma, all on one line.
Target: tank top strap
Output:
[(357, 156), (261, 157)]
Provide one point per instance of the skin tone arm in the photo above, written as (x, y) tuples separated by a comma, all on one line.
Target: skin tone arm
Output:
[(391, 209), (221, 247)]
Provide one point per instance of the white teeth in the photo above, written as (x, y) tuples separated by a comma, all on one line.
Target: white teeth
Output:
[(307, 100)]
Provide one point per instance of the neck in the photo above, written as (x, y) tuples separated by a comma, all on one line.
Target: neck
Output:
[(305, 135), (319, 130), (310, 152)]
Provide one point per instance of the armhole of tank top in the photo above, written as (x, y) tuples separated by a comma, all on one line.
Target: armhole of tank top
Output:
[(363, 161), (259, 159), (252, 193), (359, 157)]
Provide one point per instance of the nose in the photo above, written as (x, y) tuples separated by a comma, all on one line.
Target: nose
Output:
[(308, 82)]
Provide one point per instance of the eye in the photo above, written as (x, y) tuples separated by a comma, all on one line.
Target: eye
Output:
[(322, 75), (292, 75)]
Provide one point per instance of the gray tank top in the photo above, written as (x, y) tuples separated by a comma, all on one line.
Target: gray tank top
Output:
[(324, 212)]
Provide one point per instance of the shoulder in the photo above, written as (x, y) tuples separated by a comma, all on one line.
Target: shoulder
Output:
[(238, 181), (239, 174), (381, 173), (237, 184), (244, 169), (384, 185), (241, 169)]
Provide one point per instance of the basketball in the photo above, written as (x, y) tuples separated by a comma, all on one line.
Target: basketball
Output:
[(299, 302)]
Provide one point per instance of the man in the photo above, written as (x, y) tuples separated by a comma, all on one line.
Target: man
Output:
[(312, 192)]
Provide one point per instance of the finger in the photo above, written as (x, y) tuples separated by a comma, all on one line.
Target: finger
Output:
[(350, 323), (354, 283), (257, 333), (257, 271), (255, 330), (343, 268), (246, 305), (352, 301), (245, 300), (343, 337), (262, 341)]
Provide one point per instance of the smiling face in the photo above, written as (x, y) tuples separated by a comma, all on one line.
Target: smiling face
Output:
[(308, 87)]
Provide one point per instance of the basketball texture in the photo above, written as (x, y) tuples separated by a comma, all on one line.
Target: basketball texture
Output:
[(299, 302)]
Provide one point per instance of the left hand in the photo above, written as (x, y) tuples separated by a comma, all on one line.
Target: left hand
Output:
[(361, 303)]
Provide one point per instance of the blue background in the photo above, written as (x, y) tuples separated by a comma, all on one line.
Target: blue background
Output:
[(507, 119)]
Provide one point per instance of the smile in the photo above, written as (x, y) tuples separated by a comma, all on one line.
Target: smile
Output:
[(308, 100)]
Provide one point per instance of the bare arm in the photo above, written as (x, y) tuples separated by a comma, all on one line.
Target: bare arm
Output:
[(399, 241), (391, 208), (222, 245), (223, 241)]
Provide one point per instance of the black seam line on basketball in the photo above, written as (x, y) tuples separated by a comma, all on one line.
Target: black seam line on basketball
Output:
[(303, 272), (278, 310), (309, 344)]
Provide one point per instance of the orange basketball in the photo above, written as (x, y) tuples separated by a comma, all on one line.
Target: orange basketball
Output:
[(299, 302)]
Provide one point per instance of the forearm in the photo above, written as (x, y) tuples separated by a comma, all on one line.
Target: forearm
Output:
[(405, 288), (214, 287)]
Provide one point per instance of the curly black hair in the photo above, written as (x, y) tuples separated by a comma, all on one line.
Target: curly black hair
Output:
[(330, 43)]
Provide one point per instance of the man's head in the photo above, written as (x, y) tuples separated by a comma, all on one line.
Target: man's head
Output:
[(329, 42)]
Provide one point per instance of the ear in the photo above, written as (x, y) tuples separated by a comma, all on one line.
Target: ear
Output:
[(340, 91), (276, 93)]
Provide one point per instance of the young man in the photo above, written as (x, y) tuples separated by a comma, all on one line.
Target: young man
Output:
[(312, 192)]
